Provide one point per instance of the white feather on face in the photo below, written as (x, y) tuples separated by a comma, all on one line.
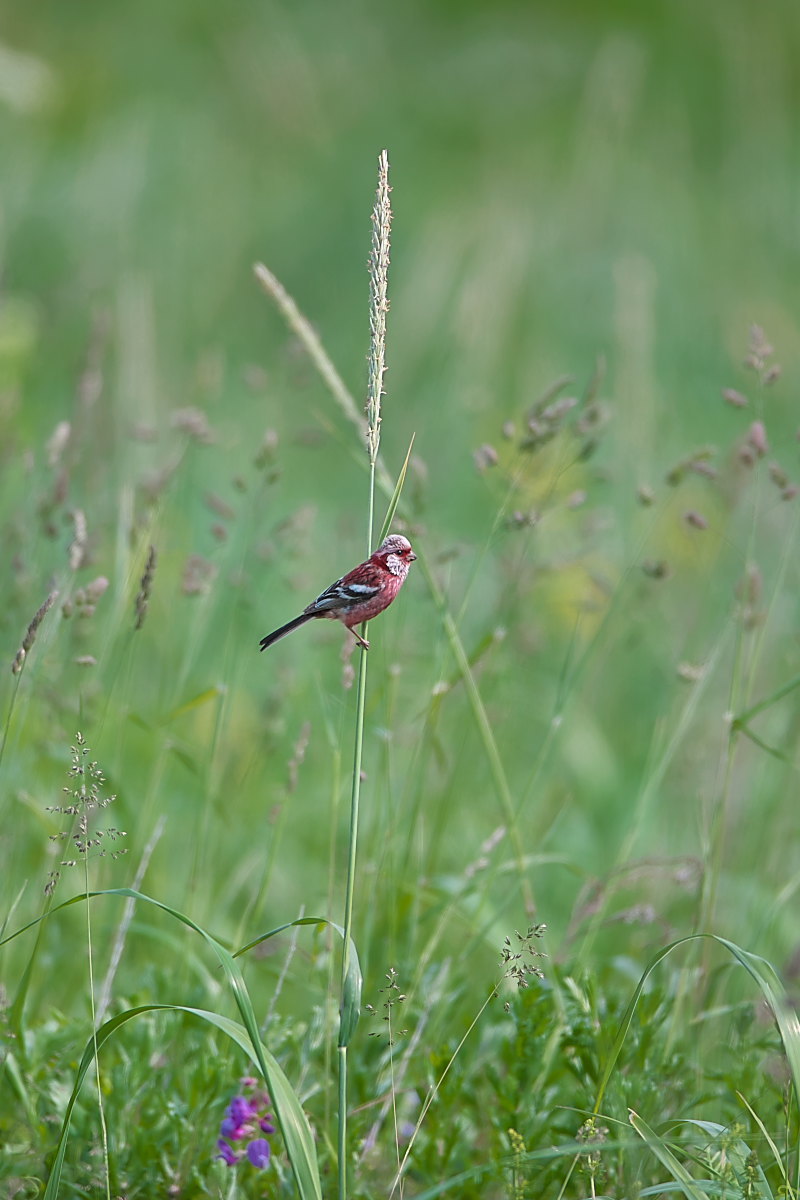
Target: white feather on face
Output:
[(396, 552)]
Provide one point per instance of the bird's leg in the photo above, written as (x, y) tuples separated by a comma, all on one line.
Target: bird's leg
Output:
[(361, 641)]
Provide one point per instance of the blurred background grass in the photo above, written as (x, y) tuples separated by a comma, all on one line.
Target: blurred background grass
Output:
[(574, 185)]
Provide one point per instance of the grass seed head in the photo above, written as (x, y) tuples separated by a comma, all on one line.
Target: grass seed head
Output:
[(145, 588), (86, 792), (194, 423), (30, 633)]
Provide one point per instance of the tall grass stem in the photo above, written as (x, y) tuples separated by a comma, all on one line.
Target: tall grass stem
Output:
[(378, 307)]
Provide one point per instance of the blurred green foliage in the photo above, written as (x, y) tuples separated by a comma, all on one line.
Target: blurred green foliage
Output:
[(605, 192)]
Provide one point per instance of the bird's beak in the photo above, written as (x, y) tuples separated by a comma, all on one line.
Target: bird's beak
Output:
[(412, 557)]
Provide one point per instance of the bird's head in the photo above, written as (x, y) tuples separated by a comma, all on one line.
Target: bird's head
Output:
[(395, 554)]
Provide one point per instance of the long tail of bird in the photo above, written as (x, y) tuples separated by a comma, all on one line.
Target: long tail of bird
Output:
[(277, 634)]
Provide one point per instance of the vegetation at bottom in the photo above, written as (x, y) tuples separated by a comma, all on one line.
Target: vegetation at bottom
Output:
[(575, 903)]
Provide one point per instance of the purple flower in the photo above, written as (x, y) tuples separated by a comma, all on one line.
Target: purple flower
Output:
[(258, 1152), (229, 1129), (241, 1109), (244, 1117), (226, 1153)]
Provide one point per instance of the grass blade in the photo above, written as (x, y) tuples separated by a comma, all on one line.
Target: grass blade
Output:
[(291, 1119), (763, 974), (667, 1159), (288, 1111), (395, 498), (351, 999)]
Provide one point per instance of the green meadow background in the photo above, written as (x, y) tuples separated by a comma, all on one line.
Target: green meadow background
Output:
[(593, 203)]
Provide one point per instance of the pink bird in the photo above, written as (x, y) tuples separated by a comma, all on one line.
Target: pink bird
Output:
[(361, 594)]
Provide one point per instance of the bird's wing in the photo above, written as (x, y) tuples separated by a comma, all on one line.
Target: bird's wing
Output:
[(342, 594)]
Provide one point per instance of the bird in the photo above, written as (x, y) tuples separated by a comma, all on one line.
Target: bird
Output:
[(360, 594)]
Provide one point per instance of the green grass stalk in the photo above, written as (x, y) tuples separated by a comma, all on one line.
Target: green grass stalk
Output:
[(355, 800), (93, 1007), (378, 277)]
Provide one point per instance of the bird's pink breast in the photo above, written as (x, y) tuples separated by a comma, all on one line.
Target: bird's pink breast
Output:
[(377, 603)]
